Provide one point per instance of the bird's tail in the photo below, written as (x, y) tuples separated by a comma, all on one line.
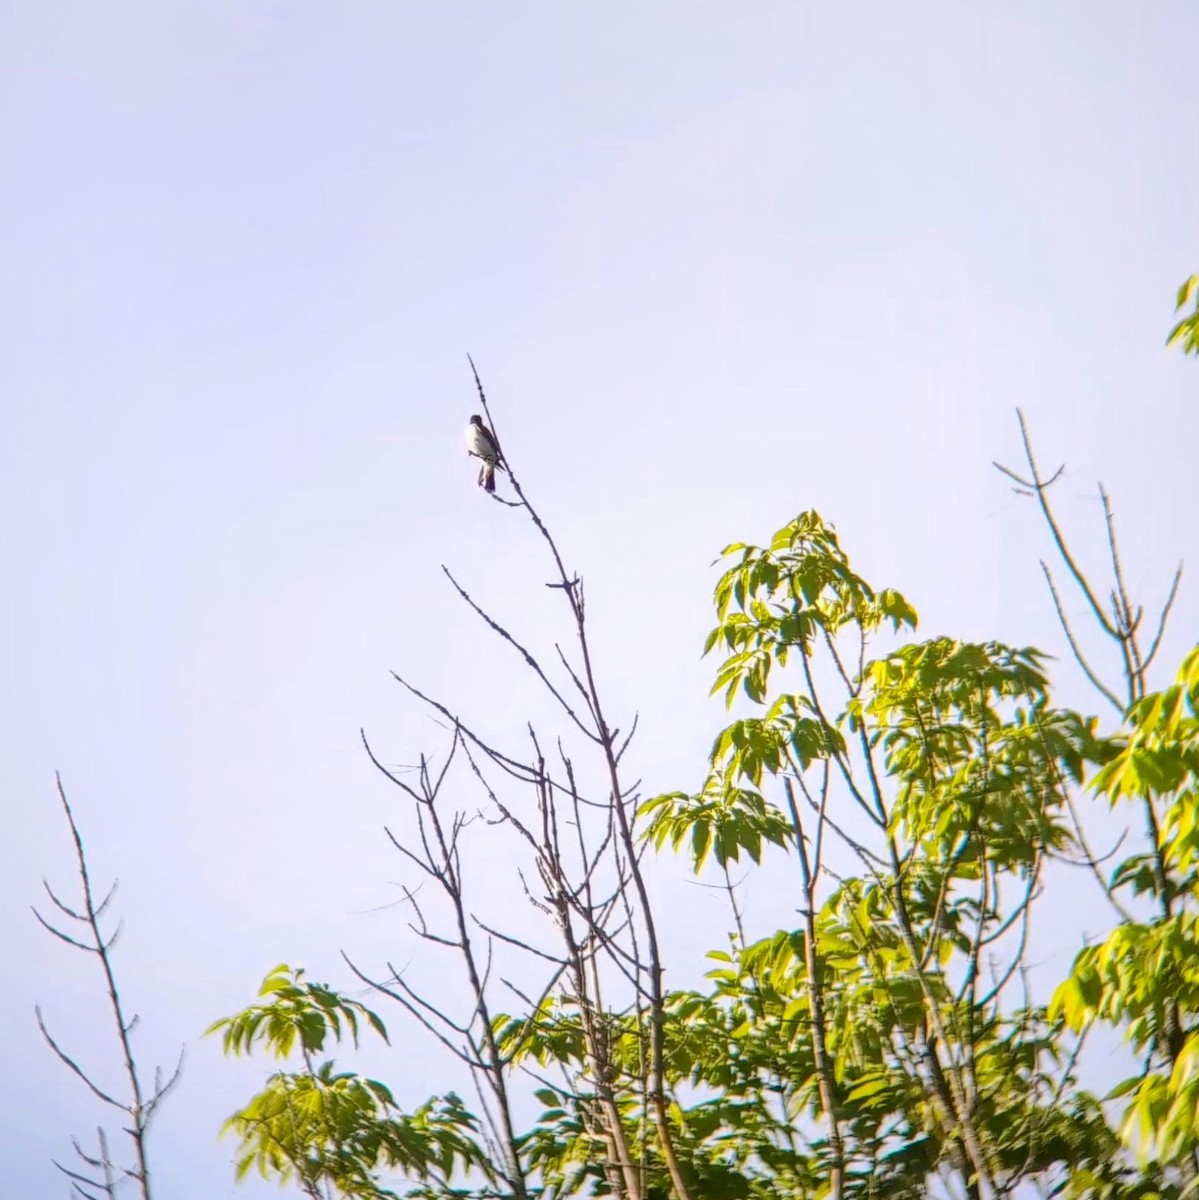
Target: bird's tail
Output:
[(487, 477)]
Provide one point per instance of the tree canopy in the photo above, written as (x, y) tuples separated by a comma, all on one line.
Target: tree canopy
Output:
[(886, 1037)]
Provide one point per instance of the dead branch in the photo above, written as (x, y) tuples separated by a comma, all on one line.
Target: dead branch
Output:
[(141, 1103)]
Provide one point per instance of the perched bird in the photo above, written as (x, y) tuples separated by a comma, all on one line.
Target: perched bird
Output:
[(481, 443)]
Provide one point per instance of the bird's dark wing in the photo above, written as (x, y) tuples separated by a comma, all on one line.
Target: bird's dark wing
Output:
[(489, 438)]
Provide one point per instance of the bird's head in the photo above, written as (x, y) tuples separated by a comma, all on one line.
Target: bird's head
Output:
[(477, 420)]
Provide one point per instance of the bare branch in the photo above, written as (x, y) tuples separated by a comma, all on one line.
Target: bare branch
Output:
[(413, 1006), (139, 1110), (628, 738), (74, 1066), (530, 661), (518, 942), (1096, 682), (81, 917), (574, 676), (1040, 488), (161, 1090), (78, 1182), (1163, 618), (58, 933)]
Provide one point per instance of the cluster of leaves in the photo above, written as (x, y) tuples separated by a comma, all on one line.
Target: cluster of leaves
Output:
[(326, 1128), (1186, 332)]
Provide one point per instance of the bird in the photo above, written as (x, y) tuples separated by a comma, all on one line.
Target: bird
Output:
[(481, 443)]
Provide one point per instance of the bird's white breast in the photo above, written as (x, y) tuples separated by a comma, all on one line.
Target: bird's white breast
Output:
[(478, 444)]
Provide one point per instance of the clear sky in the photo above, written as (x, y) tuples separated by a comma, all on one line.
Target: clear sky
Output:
[(717, 263)]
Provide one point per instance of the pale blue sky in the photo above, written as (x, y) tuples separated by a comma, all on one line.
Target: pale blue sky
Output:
[(717, 263)]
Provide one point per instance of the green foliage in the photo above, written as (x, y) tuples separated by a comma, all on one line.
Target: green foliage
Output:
[(551, 1033), (339, 1128), (956, 756), (1144, 976), (888, 1041), (326, 1128), (775, 600), (309, 1013), (722, 819), (977, 753), (1186, 332)]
